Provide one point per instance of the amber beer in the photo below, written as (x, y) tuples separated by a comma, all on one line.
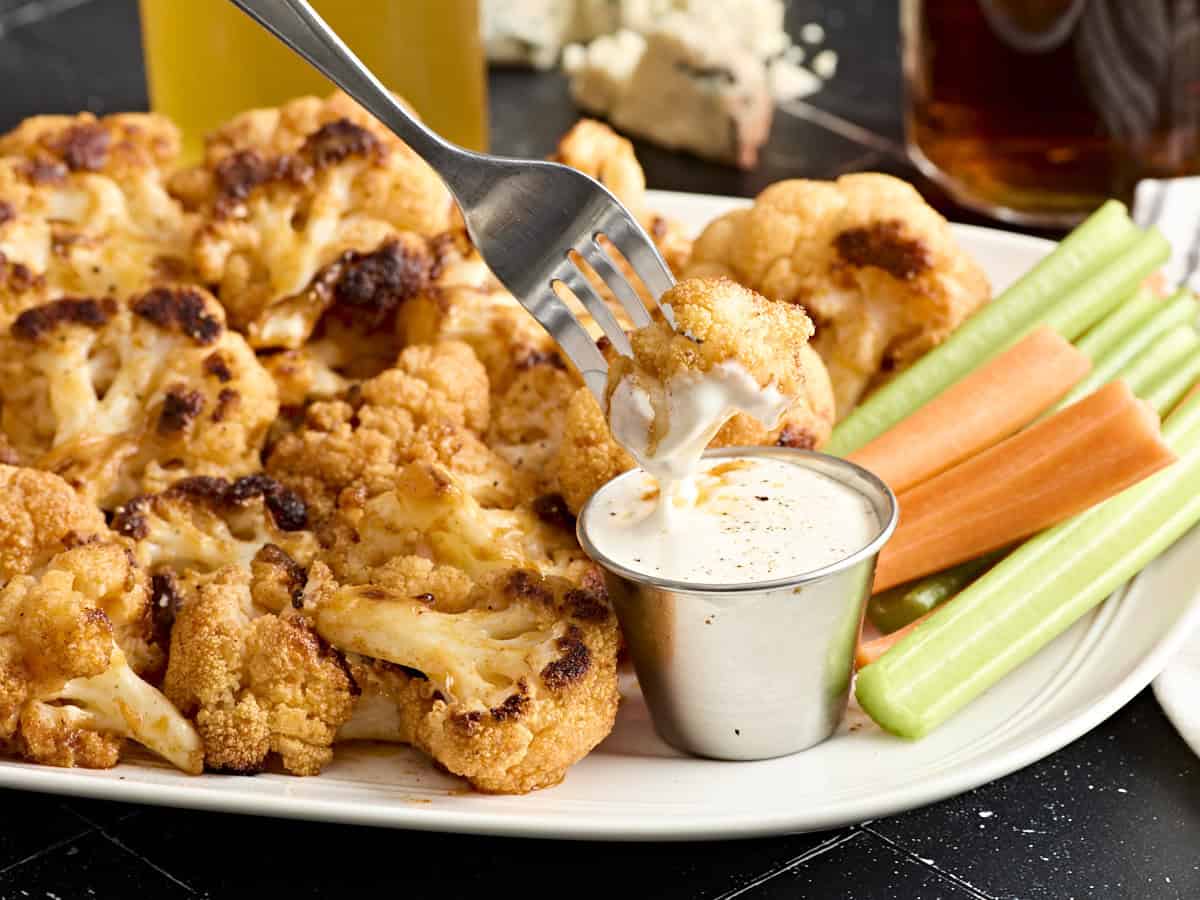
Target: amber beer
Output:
[(1037, 110), (206, 60)]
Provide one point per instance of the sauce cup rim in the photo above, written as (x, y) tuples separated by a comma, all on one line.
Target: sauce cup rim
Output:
[(789, 454)]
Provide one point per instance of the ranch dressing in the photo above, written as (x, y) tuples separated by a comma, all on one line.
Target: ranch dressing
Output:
[(749, 519)]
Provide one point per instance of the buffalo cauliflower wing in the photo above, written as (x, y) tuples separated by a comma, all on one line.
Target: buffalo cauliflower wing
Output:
[(252, 674), (286, 192), (204, 523), (428, 512), (69, 695), (877, 269), (433, 405), (508, 691), (122, 398), (84, 207)]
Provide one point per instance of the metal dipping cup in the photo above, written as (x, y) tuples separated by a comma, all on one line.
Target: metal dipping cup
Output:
[(750, 671)]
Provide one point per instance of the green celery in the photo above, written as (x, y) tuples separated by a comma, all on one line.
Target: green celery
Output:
[(1179, 309), (1125, 319), (1083, 257), (1034, 594), (1159, 359), (1169, 389), (893, 609)]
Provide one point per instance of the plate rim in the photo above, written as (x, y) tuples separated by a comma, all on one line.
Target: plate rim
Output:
[(190, 792)]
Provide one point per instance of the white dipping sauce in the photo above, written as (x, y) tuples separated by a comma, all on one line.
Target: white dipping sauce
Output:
[(754, 519)]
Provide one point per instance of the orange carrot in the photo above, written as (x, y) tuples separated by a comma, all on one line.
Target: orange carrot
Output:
[(869, 651), (993, 402), (1156, 283), (1061, 466)]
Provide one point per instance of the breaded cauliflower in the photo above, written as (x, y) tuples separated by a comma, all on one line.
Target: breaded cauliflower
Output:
[(877, 269), (84, 205), (427, 511), (253, 675), (730, 350), (465, 303), (123, 398), (40, 516), (433, 405), (288, 191), (508, 691), (204, 523), (596, 150), (68, 693), (527, 419)]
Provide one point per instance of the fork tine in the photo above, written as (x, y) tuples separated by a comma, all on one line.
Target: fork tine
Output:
[(576, 282), (635, 245), (556, 317), (597, 257)]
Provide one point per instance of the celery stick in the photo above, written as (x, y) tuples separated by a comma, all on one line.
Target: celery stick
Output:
[(1034, 595), (1081, 308), (1082, 254), (1125, 319), (1178, 309), (1170, 388), (1160, 358), (900, 606)]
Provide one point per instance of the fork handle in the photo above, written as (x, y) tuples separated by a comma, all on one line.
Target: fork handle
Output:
[(297, 24)]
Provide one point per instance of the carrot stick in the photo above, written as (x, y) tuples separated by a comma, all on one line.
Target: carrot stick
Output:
[(995, 401), (1049, 472), (869, 651)]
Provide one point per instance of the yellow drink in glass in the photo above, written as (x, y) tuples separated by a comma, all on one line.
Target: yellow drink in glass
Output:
[(206, 60)]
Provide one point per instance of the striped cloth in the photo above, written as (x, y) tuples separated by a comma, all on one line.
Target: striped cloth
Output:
[(1173, 204)]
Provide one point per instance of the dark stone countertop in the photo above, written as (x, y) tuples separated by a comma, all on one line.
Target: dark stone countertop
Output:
[(1114, 815)]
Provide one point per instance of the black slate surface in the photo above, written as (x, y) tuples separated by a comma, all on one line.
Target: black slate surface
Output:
[(1115, 815)]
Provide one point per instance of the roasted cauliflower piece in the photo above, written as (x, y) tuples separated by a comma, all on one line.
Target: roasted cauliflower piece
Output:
[(433, 405), (716, 323), (256, 679), (286, 193), (527, 419), (40, 516), (428, 512), (203, 523), (124, 398), (596, 150), (84, 206), (877, 269), (69, 695), (508, 692), (729, 350)]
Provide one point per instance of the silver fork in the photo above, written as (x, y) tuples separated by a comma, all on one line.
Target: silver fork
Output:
[(524, 216)]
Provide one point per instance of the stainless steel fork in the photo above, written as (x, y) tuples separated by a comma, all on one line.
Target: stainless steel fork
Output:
[(525, 216)]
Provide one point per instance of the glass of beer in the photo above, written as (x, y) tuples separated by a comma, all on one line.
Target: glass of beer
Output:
[(1035, 111), (206, 60)]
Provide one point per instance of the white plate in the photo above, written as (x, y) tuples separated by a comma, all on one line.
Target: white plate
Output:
[(1178, 691), (634, 787)]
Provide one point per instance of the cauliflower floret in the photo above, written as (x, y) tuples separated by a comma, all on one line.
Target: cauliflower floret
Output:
[(204, 523), (40, 516), (84, 205), (256, 679), (465, 303), (68, 695), (508, 692), (125, 398), (596, 150), (527, 418), (428, 512), (433, 405), (877, 269), (730, 350), (286, 192)]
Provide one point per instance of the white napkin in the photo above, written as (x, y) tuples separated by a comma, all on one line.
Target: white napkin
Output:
[(1174, 206)]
